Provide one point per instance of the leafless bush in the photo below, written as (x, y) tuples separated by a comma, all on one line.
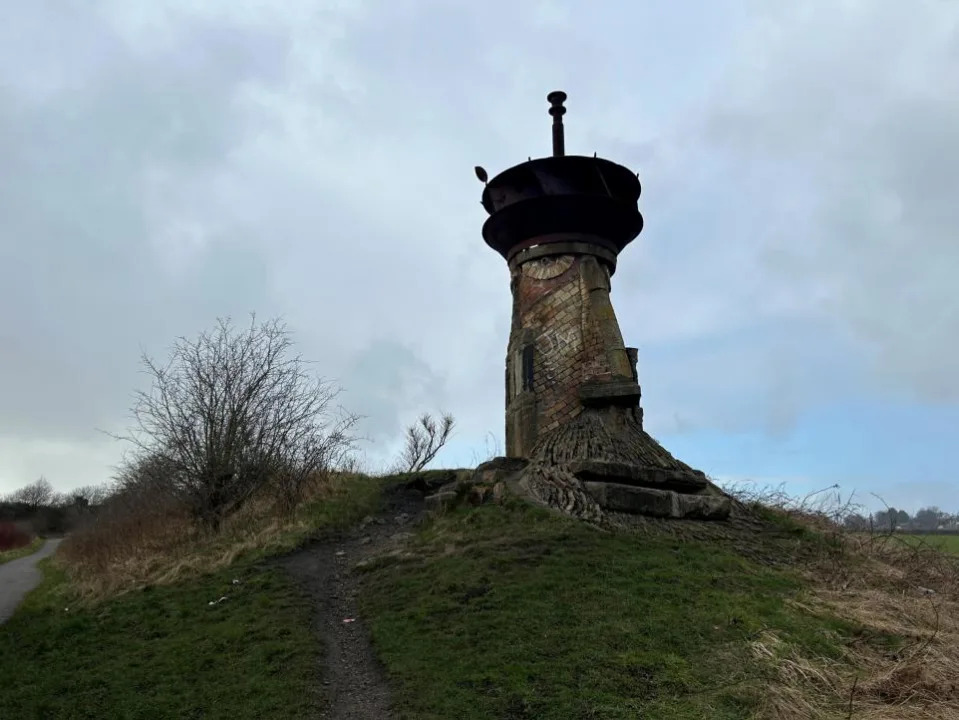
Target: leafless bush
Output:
[(144, 474), (424, 439), (825, 506), (139, 519), (227, 415), (308, 456), (351, 464), (849, 547), (35, 495), (144, 536), (91, 495), (13, 536)]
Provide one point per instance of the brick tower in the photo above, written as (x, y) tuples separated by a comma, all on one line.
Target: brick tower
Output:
[(572, 388)]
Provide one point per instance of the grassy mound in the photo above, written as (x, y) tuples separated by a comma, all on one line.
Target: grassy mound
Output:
[(518, 613), (503, 611)]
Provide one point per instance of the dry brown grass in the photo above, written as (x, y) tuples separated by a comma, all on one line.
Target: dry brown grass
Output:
[(905, 666), (918, 680), (149, 541)]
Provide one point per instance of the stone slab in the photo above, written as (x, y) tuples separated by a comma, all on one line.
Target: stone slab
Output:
[(704, 507), (654, 502), (616, 392), (629, 474)]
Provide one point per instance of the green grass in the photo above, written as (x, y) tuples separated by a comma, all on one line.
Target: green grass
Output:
[(520, 614), (8, 555), (351, 500), (503, 612), (165, 652), (946, 543), (162, 652)]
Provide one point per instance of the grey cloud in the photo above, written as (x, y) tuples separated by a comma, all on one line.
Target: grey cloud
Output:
[(812, 190), (855, 113), (389, 385), (81, 279)]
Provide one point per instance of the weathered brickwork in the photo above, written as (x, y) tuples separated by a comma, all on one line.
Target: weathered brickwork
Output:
[(575, 439), (561, 309)]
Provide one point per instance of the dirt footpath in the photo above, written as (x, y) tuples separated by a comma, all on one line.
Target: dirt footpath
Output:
[(354, 683)]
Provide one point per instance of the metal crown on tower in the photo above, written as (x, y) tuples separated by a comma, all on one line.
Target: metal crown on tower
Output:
[(562, 199)]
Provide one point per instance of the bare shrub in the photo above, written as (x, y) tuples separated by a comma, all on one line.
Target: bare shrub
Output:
[(308, 456), (144, 536), (827, 508), (351, 464), (424, 439), (143, 474), (59, 500), (12, 536), (229, 413), (90, 496), (35, 495), (138, 522)]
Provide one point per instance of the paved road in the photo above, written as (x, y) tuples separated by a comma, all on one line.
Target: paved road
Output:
[(18, 577)]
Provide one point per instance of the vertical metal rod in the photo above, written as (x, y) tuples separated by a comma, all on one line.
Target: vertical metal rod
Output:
[(556, 100)]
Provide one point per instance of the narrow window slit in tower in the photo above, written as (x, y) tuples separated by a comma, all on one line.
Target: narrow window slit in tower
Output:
[(528, 367)]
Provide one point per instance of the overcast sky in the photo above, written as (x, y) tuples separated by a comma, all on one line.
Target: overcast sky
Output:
[(166, 162)]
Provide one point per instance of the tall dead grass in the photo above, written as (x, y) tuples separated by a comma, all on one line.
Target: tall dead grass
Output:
[(904, 665), (145, 539)]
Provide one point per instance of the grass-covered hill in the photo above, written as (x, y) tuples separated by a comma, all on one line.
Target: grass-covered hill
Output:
[(494, 611)]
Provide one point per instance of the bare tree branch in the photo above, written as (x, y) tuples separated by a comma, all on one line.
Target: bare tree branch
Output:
[(229, 414), (424, 439), (35, 495)]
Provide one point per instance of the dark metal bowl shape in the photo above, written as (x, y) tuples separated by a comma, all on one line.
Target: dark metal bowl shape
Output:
[(565, 195)]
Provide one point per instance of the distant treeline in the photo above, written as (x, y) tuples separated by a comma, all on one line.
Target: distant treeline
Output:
[(37, 509), (927, 520), (38, 521)]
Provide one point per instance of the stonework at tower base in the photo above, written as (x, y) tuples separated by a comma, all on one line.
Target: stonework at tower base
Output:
[(622, 468), (603, 461), (574, 421), (557, 488)]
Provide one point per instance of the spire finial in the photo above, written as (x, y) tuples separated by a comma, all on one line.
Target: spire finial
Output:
[(556, 100)]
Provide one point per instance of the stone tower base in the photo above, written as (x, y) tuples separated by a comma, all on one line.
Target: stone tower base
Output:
[(603, 460)]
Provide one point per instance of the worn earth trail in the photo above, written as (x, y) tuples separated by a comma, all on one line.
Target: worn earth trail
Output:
[(354, 682), (20, 576)]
